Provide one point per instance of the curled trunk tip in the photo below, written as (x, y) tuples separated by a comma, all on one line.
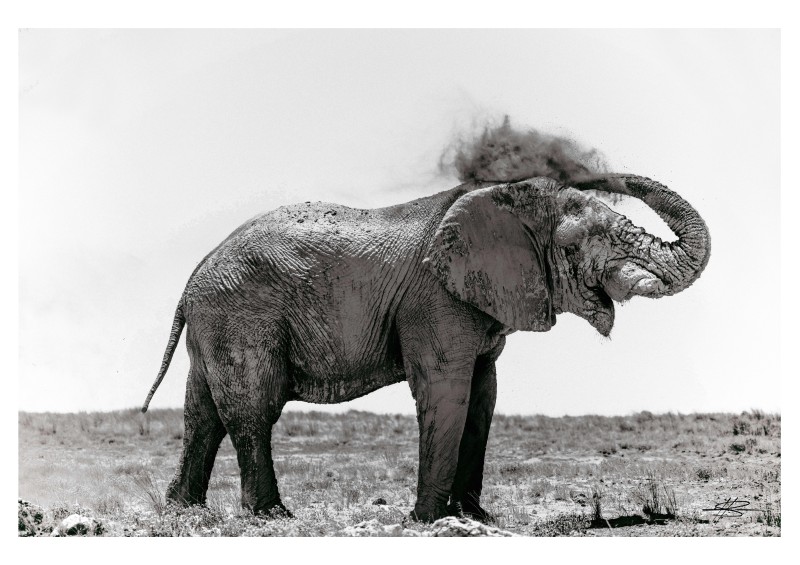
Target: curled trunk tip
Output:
[(679, 263)]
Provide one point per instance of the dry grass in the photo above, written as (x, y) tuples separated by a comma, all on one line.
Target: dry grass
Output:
[(544, 476)]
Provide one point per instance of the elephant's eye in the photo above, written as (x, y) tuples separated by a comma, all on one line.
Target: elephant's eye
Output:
[(573, 207), (596, 228)]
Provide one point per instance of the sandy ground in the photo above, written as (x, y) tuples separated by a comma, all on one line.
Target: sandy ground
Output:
[(543, 476)]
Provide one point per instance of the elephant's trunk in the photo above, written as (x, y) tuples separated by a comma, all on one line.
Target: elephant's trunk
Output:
[(676, 264)]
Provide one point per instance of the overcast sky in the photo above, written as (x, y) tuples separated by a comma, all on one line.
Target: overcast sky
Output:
[(141, 150)]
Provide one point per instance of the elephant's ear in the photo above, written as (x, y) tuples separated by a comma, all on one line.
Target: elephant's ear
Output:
[(487, 257)]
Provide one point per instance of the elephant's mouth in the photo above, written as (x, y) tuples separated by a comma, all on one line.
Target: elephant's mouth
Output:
[(601, 311)]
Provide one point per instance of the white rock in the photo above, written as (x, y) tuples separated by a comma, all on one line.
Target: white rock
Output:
[(464, 527), (394, 530), (76, 525), (373, 528)]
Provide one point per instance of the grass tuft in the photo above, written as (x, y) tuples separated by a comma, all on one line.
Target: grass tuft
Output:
[(656, 498), (150, 490)]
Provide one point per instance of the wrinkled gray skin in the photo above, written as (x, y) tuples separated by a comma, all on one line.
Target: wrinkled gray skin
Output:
[(323, 303)]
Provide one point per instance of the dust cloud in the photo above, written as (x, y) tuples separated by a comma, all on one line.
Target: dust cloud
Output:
[(506, 154)]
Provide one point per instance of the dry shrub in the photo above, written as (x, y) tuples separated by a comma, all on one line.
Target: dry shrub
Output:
[(747, 446), (148, 490), (741, 427), (597, 504), (655, 498), (704, 473)]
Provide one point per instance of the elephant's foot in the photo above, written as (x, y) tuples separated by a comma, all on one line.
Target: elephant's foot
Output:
[(471, 510), (184, 495), (420, 514), (273, 510)]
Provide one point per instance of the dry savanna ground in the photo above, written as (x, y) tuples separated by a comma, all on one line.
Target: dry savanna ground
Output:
[(642, 474)]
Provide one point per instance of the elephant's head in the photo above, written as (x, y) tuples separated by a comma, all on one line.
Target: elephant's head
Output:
[(526, 251)]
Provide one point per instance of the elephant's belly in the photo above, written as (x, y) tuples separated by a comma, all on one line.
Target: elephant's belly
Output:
[(332, 389)]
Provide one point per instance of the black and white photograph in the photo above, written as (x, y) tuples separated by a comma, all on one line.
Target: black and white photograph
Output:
[(399, 282)]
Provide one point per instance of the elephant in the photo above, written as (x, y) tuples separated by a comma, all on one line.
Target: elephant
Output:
[(324, 303)]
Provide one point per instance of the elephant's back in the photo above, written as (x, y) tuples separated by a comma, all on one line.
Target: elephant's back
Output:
[(290, 248), (286, 249)]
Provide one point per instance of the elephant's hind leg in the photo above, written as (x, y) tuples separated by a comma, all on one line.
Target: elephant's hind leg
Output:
[(252, 393), (259, 483), (203, 433)]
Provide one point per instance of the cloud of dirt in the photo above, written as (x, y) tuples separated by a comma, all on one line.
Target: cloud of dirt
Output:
[(505, 154)]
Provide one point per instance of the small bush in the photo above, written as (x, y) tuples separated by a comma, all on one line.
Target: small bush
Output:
[(741, 427), (704, 473), (608, 449), (748, 446), (656, 498), (771, 517)]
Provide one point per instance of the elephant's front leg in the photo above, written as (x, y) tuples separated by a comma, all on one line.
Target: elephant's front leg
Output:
[(440, 339), (442, 406), (466, 493)]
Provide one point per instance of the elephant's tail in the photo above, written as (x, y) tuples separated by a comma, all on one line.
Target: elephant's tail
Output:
[(177, 327)]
